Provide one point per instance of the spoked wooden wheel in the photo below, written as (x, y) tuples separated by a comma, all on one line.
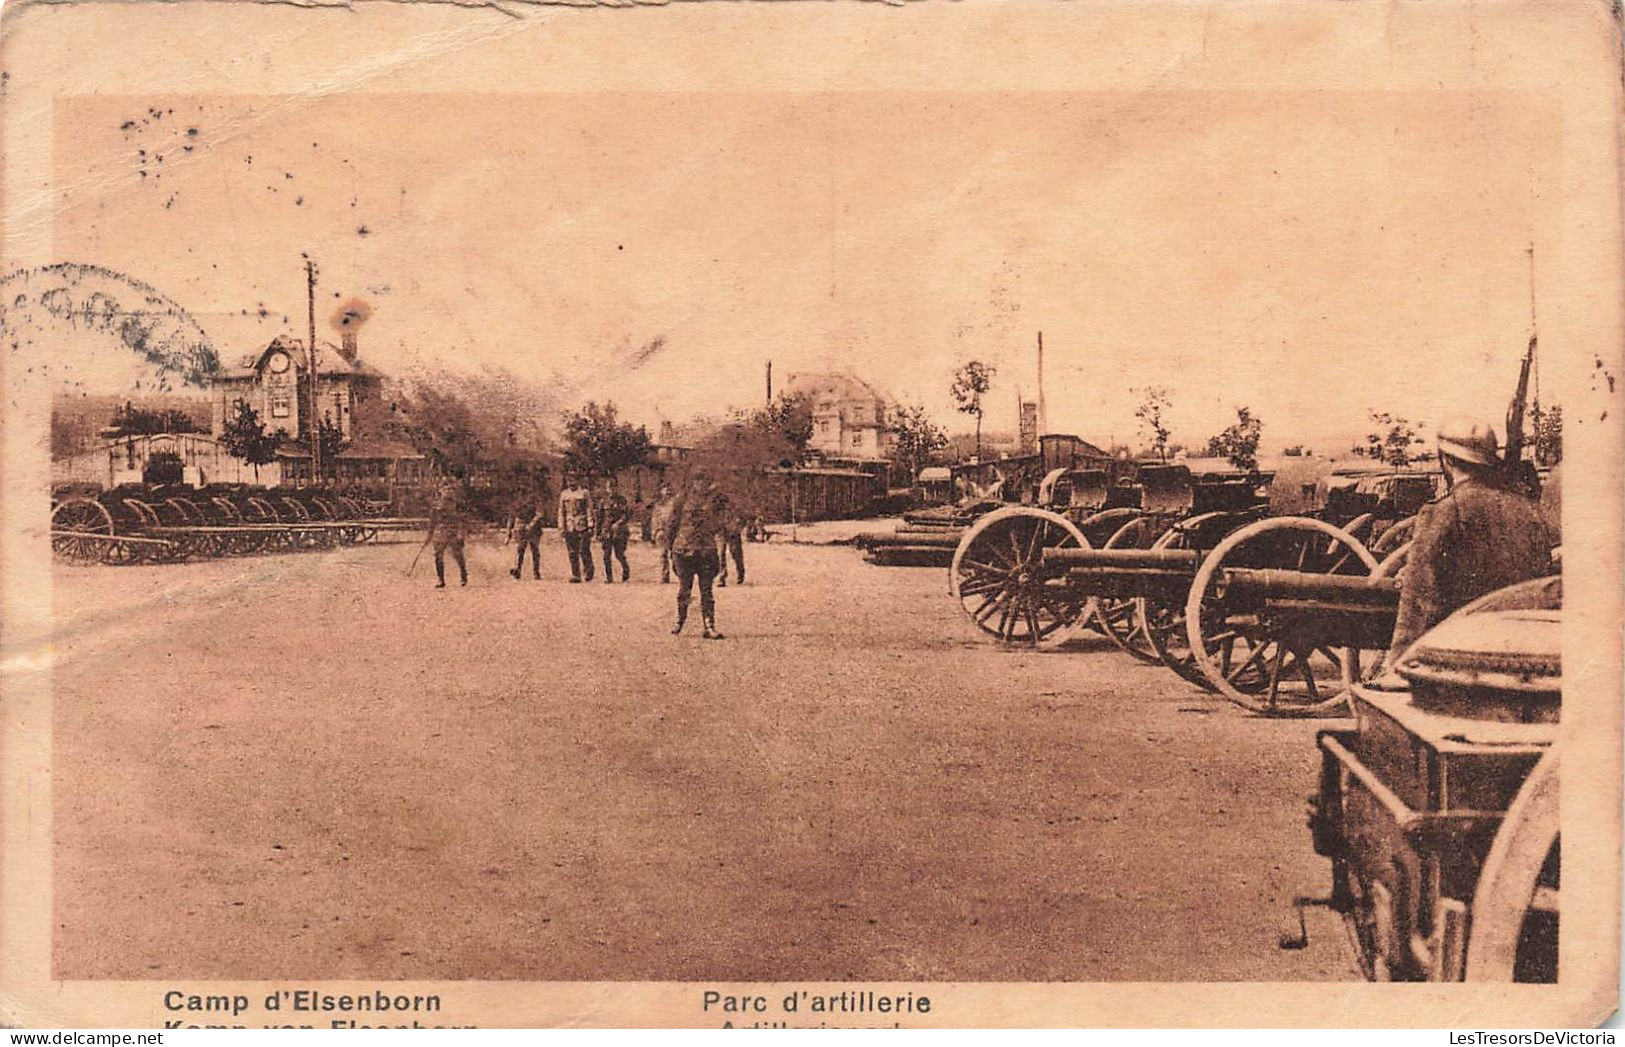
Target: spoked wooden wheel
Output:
[(1118, 616), (1242, 653), (1161, 622), (1515, 907), (999, 577), (71, 520), (258, 510), (1394, 537)]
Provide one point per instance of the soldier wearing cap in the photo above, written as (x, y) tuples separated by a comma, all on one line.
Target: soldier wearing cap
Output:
[(448, 529), (660, 521), (730, 539), (1480, 536), (694, 527), (576, 524), (525, 524), (613, 525)]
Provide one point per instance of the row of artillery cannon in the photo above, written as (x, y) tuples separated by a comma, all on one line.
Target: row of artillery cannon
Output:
[(1262, 587), (1436, 804), (147, 523)]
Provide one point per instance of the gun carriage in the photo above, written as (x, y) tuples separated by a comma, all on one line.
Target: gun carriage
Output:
[(1272, 612), (1438, 806), (1003, 572), (140, 523)]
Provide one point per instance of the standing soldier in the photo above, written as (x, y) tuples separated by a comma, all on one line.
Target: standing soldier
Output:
[(730, 539), (575, 523), (1480, 536), (526, 527), (448, 528), (660, 520), (694, 552), (614, 527)]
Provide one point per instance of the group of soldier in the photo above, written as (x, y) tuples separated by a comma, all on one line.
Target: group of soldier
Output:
[(696, 529)]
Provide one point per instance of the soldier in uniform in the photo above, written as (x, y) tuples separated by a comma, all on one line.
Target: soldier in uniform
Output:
[(614, 527), (730, 539), (448, 528), (660, 520), (526, 527), (575, 523), (1480, 536), (694, 552)]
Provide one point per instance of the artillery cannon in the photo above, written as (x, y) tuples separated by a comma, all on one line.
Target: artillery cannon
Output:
[(1002, 572), (1438, 807), (139, 523)]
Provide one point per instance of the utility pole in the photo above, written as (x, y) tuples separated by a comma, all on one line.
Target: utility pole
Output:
[(310, 362), (770, 383)]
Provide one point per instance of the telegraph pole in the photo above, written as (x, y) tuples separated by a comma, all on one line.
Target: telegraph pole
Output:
[(310, 363)]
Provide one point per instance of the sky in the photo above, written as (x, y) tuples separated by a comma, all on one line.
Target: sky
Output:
[(1312, 254)]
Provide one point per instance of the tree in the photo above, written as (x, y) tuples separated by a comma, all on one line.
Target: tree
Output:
[(919, 439), (598, 443), (972, 382), (330, 439), (244, 437), (1393, 440), (485, 422), (131, 420), (1239, 442), (1154, 403), (1548, 433), (788, 417)]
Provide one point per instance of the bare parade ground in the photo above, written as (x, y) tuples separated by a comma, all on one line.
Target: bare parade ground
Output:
[(535, 780)]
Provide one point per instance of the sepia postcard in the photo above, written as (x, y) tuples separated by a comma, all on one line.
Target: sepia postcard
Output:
[(779, 515)]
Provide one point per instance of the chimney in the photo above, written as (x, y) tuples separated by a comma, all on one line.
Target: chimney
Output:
[(347, 346)]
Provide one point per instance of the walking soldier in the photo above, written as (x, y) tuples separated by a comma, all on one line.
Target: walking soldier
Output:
[(660, 530), (730, 539), (614, 528), (694, 552), (448, 529), (526, 526)]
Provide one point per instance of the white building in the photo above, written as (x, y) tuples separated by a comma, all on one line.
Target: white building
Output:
[(849, 417)]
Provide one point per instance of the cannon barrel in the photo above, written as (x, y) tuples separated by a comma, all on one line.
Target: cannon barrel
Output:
[(883, 539), (1182, 560), (1334, 590)]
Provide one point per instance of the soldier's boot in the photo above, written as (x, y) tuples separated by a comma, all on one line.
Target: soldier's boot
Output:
[(710, 632), (682, 617)]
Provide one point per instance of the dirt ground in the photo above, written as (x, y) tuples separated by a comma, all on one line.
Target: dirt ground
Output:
[(313, 765)]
